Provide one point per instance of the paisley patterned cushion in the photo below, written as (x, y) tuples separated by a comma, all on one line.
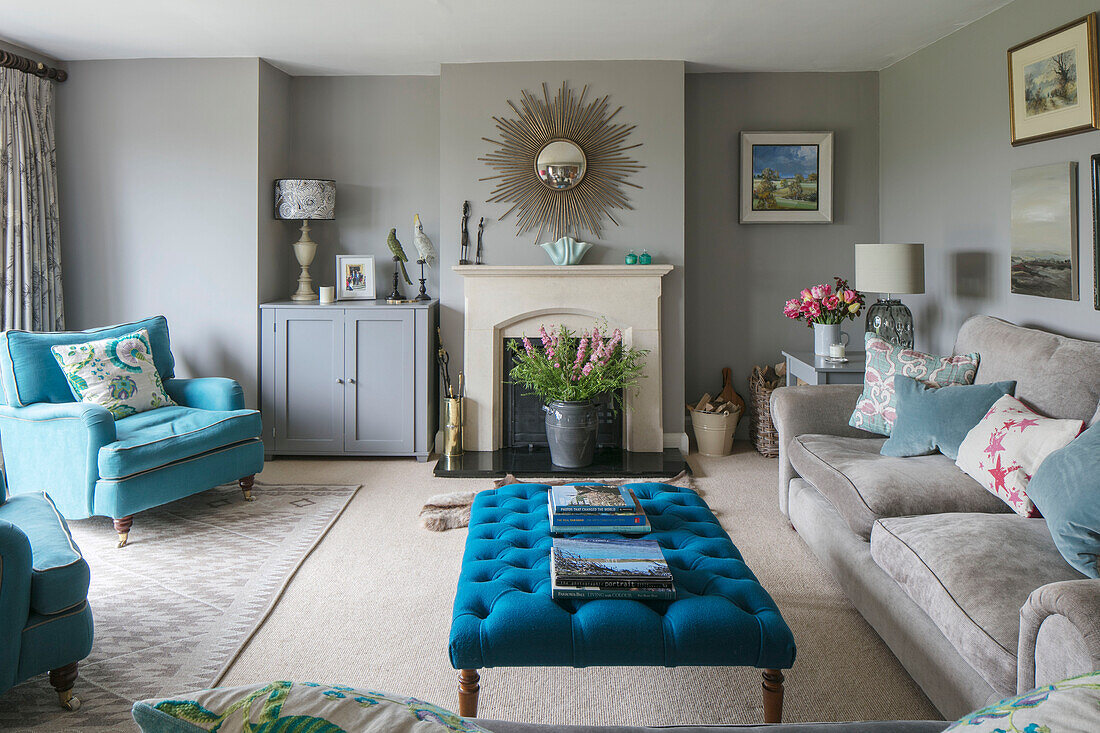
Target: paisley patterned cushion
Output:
[(1069, 706), (1003, 450), (876, 409), (296, 706), (117, 373)]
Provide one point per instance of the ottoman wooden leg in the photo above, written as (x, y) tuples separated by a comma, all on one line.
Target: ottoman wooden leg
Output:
[(468, 689), (773, 696)]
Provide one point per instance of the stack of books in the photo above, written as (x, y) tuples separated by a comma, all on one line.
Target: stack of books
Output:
[(609, 568), (596, 508)]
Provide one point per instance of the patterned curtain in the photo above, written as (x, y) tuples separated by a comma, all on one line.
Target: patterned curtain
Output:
[(31, 279)]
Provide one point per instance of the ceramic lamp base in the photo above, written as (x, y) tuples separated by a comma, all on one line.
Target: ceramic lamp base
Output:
[(305, 249)]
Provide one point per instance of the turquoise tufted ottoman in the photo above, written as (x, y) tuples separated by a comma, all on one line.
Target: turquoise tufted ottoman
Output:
[(504, 615)]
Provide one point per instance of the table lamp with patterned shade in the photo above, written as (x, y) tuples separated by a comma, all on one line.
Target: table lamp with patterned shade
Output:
[(305, 199), (890, 269)]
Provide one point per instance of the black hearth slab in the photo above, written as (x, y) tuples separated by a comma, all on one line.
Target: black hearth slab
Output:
[(535, 463)]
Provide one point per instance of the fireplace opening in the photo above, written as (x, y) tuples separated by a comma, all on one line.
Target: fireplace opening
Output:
[(524, 421)]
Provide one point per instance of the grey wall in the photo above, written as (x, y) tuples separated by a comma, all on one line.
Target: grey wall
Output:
[(276, 278), (652, 96), (158, 192), (378, 137), (945, 175), (739, 275)]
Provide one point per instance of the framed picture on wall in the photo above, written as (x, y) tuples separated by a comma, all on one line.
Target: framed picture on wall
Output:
[(355, 277), (786, 177), (1096, 230), (1052, 83), (1044, 231)]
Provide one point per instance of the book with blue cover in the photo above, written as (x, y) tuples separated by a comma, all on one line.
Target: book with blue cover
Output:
[(598, 525), (609, 568), (590, 497)]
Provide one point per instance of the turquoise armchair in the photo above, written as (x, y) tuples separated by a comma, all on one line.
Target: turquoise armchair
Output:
[(94, 465), (45, 621)]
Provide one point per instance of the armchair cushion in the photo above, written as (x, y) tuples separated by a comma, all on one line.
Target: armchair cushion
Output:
[(59, 574), (156, 438), (29, 374)]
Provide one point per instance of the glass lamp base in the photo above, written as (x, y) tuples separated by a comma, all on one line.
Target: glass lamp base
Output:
[(892, 321)]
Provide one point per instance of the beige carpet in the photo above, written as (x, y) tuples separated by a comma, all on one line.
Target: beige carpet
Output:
[(372, 605)]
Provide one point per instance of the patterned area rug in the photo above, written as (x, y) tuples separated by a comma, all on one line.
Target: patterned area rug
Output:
[(173, 607)]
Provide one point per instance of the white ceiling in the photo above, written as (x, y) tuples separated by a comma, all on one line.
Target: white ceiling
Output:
[(415, 36)]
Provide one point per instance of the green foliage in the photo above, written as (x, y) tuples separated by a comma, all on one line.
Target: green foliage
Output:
[(571, 367)]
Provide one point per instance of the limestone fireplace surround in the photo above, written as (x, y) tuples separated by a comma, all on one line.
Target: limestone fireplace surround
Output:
[(511, 301)]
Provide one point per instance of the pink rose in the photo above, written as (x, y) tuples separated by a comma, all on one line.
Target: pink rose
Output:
[(820, 291), (831, 302), (850, 296), (807, 295), (812, 309), (792, 308)]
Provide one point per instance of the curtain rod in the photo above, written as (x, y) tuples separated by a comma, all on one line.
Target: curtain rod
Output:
[(22, 63)]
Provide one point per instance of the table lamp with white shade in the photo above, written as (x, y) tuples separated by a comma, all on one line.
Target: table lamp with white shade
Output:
[(305, 199), (890, 269)]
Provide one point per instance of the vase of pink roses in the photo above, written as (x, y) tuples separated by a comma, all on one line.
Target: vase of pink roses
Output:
[(825, 307)]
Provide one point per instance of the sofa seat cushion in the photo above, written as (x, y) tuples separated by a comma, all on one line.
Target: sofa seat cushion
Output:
[(971, 573), (156, 438), (59, 574), (864, 485)]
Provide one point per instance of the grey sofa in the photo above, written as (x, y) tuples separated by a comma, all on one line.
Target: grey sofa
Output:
[(921, 726), (975, 601)]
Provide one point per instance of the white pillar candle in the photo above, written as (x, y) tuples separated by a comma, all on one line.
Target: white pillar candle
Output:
[(836, 351), (327, 294)]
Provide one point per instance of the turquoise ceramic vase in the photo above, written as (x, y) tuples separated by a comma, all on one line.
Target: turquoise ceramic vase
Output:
[(566, 251)]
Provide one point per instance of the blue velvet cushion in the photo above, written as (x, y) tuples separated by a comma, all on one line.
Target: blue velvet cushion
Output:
[(158, 437), (504, 615), (29, 373), (59, 574), (931, 419), (1066, 488)]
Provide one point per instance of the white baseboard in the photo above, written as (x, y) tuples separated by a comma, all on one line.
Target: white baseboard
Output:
[(677, 440)]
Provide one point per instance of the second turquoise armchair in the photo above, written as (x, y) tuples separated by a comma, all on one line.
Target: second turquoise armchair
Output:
[(94, 465)]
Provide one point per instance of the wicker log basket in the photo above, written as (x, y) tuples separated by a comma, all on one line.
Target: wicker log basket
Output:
[(762, 432)]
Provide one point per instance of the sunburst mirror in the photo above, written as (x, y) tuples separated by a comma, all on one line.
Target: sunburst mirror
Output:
[(562, 164)]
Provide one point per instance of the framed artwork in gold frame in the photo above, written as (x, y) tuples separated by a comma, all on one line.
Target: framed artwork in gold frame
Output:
[(1052, 83)]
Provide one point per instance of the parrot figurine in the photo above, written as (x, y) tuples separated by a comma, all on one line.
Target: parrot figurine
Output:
[(424, 246), (399, 255)]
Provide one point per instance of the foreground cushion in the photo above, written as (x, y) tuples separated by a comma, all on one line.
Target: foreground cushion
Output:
[(295, 706), (876, 409), (1066, 489), (1069, 706), (159, 437), (59, 573), (934, 419), (116, 373), (864, 485), (943, 563), (1003, 450)]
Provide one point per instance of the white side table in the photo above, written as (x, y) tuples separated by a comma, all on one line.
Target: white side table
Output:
[(812, 369)]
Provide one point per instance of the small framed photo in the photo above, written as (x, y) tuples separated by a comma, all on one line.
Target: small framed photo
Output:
[(1052, 83), (786, 177), (355, 277)]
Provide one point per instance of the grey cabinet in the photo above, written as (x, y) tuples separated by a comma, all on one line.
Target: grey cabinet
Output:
[(352, 378)]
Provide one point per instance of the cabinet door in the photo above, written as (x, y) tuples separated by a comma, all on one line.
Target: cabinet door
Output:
[(309, 380), (380, 408)]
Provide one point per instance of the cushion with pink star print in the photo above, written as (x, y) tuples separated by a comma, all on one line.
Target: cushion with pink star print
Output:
[(1003, 450)]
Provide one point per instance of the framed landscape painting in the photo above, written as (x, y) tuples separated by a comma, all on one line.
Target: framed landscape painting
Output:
[(1044, 231), (1052, 83), (786, 177)]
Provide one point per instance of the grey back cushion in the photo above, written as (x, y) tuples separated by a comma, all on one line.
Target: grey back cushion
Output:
[(1057, 376)]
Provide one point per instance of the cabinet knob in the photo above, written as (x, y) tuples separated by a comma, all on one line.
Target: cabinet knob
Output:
[(339, 381), (351, 380)]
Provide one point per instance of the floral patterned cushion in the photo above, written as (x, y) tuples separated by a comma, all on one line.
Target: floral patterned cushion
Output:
[(117, 373), (876, 409), (1003, 450), (1069, 706), (296, 706)]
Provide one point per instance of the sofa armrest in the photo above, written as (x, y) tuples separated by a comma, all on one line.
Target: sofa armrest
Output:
[(820, 409), (54, 447), (206, 393), (1059, 633), (15, 597)]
